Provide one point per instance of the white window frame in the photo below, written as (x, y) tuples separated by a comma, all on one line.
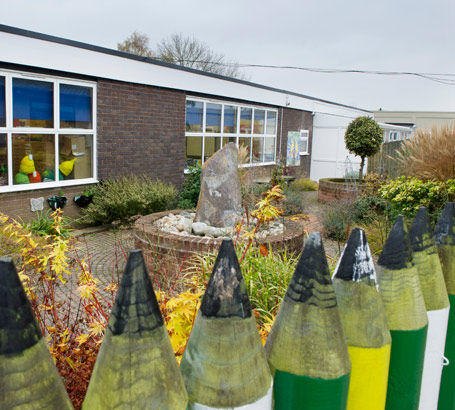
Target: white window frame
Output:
[(304, 136), (56, 131), (237, 133)]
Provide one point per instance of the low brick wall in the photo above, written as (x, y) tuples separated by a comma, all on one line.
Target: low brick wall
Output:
[(17, 204), (169, 255), (336, 190)]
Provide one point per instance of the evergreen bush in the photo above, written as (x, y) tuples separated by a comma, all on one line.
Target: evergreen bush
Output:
[(119, 200)]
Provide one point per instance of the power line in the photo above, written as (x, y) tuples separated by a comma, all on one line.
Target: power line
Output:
[(437, 77)]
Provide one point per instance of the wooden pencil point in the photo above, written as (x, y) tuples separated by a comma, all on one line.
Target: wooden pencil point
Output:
[(224, 364), (397, 252), (136, 309), (312, 276), (19, 329), (226, 293), (28, 376), (136, 343), (356, 262)]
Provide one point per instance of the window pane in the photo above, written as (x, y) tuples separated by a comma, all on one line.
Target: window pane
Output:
[(245, 120), (246, 142), (227, 140), (3, 161), (271, 123), (193, 151), (194, 111), (269, 150), (33, 158), (303, 145), (258, 149), (75, 106), (230, 119), (213, 118), (211, 145), (259, 120), (75, 156), (33, 103), (2, 103)]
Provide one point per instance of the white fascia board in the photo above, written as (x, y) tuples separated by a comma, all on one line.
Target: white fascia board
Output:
[(392, 127), (17, 49)]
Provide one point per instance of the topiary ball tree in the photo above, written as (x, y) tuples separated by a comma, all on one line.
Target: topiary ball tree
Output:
[(363, 138)]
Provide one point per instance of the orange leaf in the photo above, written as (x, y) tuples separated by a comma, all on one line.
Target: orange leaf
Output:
[(263, 249)]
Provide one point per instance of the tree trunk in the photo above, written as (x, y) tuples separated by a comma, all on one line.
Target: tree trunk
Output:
[(362, 163)]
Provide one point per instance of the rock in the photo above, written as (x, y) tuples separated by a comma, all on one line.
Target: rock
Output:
[(187, 225), (215, 232), (179, 228), (186, 214), (220, 198), (199, 228)]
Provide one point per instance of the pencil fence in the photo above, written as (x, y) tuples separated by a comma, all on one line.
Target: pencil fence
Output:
[(363, 338)]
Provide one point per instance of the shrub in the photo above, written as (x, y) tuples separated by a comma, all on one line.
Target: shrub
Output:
[(406, 195), (367, 207), (303, 184), (293, 203), (191, 187), (430, 155), (118, 200), (363, 138), (336, 221)]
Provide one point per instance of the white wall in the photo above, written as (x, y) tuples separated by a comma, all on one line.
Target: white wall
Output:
[(328, 153)]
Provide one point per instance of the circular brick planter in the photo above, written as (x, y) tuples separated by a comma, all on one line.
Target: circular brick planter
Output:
[(336, 190), (168, 254)]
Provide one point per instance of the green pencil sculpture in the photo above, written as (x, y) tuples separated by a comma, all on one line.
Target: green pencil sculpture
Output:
[(407, 318), (306, 347)]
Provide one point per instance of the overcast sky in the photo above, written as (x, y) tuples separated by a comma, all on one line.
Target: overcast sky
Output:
[(386, 35)]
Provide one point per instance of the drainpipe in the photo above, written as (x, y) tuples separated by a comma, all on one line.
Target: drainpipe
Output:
[(281, 135)]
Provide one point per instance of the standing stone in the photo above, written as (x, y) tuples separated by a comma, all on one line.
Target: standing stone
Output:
[(219, 202)]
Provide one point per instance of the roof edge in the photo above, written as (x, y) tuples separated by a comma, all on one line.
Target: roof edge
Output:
[(122, 54)]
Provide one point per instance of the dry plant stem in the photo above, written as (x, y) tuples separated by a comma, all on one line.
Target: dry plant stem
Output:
[(430, 155)]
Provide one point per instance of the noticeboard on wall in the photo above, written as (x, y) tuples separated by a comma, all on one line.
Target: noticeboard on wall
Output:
[(293, 149)]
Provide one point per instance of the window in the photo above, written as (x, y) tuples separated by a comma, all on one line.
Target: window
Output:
[(47, 131), (304, 142), (2, 102), (211, 124)]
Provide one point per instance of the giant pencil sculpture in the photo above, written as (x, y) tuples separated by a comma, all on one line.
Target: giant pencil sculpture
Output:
[(407, 318), (306, 348), (444, 235), (224, 364), (426, 261), (28, 376), (136, 366), (364, 323)]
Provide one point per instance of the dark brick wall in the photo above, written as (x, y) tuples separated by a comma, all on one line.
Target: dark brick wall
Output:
[(17, 204), (296, 120), (141, 130)]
